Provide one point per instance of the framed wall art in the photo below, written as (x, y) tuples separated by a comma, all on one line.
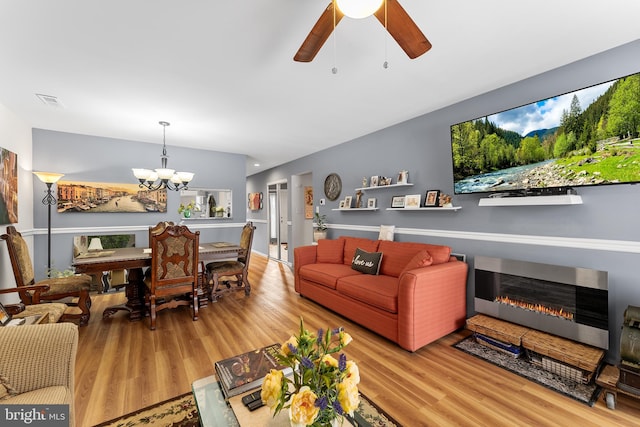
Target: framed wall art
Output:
[(308, 202), (371, 203), (255, 201), (8, 187), (80, 196)]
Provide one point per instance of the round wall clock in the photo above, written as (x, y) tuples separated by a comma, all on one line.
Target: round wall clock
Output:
[(332, 186)]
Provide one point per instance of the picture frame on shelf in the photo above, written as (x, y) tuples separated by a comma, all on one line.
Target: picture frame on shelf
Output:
[(431, 198), (371, 203), (5, 317), (403, 177), (341, 206), (412, 201), (374, 181), (347, 202), (397, 202)]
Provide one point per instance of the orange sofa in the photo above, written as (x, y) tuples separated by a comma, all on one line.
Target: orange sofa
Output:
[(417, 296)]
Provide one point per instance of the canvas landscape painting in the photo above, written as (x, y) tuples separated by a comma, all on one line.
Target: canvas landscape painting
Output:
[(79, 196)]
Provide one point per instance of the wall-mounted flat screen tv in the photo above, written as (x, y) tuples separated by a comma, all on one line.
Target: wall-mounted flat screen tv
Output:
[(582, 138)]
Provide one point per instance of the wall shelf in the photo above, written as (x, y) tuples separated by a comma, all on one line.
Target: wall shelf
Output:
[(380, 187), (354, 209), (452, 208), (563, 199)]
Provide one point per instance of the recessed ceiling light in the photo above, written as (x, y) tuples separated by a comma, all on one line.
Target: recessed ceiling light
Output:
[(256, 164)]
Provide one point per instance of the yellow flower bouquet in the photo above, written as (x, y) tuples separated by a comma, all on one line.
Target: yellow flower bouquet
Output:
[(322, 389)]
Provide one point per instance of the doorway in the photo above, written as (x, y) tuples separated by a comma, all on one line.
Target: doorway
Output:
[(278, 221)]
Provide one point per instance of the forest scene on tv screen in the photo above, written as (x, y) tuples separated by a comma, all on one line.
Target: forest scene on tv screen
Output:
[(586, 137)]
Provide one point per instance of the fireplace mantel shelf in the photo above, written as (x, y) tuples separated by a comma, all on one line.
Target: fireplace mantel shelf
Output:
[(564, 199)]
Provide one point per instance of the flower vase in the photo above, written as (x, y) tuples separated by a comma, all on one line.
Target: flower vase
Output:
[(186, 213)]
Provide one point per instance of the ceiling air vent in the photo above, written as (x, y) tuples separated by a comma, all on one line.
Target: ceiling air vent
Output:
[(49, 100)]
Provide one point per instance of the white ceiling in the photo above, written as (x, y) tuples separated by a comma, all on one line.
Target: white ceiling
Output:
[(222, 73)]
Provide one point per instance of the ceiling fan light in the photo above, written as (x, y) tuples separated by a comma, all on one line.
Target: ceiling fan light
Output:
[(358, 9)]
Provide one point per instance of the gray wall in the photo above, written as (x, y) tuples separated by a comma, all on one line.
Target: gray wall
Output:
[(97, 159), (602, 233)]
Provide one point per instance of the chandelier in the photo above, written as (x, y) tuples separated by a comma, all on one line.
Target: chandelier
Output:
[(166, 178)]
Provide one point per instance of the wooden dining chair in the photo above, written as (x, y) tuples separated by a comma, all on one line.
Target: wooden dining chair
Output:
[(238, 268), (53, 310), (76, 286), (173, 272)]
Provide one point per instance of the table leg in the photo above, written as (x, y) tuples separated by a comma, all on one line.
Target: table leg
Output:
[(134, 291)]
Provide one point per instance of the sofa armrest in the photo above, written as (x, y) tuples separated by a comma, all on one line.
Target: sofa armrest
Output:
[(432, 302), (302, 255), (38, 356)]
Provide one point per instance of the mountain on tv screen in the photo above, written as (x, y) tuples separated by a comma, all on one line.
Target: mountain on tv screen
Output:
[(582, 138)]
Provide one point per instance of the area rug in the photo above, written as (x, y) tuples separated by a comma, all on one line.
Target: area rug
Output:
[(585, 393), (181, 411)]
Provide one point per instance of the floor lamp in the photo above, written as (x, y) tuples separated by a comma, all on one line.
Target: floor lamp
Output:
[(49, 178)]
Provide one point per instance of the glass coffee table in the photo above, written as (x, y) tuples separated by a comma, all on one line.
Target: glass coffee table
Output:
[(214, 411)]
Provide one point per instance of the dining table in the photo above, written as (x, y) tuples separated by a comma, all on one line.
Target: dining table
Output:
[(134, 260)]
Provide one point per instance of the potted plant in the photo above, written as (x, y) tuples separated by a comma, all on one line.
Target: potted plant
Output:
[(320, 229)]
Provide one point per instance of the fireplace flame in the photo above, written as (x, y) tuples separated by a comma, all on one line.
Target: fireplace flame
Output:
[(536, 307)]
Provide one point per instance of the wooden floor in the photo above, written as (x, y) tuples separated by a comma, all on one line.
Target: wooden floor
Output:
[(123, 366)]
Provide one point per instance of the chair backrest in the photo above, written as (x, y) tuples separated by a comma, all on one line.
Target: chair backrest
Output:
[(246, 240), (174, 259), (19, 256), (159, 228)]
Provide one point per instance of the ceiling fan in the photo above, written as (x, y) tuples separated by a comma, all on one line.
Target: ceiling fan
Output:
[(397, 21)]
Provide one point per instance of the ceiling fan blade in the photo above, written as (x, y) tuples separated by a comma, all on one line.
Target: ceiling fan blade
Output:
[(318, 35), (403, 29)]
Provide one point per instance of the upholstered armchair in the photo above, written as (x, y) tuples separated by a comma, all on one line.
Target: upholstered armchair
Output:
[(174, 270), (238, 268), (77, 286), (37, 365), (53, 310)]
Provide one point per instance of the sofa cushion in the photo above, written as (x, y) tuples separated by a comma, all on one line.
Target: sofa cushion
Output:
[(326, 274), (377, 291), (330, 251), (398, 254), (353, 243), (366, 262), (421, 259)]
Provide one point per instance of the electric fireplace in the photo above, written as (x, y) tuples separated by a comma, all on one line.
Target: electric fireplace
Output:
[(565, 301)]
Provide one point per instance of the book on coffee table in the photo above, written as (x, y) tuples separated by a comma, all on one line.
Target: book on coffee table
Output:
[(246, 371)]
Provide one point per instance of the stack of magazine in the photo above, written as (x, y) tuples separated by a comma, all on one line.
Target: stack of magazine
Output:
[(246, 371)]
